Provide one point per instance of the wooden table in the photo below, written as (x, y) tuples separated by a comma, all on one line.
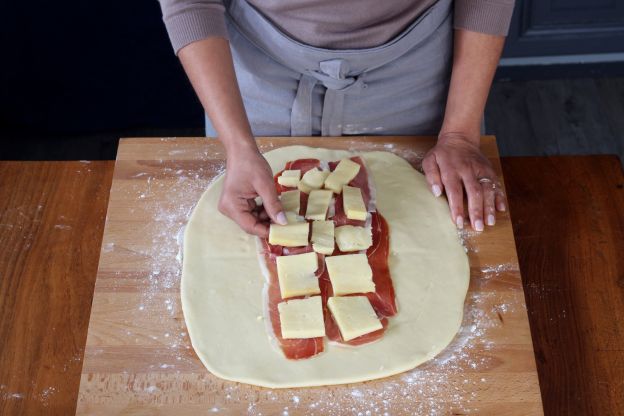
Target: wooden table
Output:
[(569, 232), (138, 355)]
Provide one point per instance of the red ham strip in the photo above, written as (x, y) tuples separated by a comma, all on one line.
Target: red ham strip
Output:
[(293, 349), (382, 300)]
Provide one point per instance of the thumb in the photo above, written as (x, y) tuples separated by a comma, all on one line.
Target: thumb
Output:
[(272, 205)]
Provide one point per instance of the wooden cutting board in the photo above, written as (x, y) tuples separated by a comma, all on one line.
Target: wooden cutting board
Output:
[(139, 359)]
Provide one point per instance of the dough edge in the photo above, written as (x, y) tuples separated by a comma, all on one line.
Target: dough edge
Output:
[(217, 282)]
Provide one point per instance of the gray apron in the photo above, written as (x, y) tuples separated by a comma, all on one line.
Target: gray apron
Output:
[(293, 89)]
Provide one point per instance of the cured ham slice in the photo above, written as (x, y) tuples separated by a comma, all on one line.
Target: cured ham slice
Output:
[(382, 300), (293, 349)]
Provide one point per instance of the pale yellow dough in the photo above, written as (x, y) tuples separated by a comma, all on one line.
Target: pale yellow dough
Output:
[(222, 285)]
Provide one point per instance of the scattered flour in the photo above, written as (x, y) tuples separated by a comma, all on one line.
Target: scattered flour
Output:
[(454, 374), (169, 203)]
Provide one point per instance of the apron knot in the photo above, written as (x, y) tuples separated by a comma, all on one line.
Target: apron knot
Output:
[(333, 74)]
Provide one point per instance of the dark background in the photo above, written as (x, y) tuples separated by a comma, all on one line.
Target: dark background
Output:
[(91, 72), (76, 76)]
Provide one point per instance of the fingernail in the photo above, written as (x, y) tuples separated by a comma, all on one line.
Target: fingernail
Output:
[(281, 219), (460, 222), (502, 207), (478, 225), (436, 190), (491, 219)]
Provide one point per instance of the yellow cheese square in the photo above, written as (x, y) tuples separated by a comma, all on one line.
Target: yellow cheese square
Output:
[(354, 315), (350, 273), (318, 202), (353, 203), (323, 236), (302, 318), (291, 201), (351, 238), (344, 173), (312, 179), (289, 178), (291, 235), (296, 275)]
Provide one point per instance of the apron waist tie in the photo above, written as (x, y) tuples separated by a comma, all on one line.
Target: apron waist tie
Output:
[(333, 75)]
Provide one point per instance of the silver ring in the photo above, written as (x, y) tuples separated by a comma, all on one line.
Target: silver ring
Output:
[(487, 180)]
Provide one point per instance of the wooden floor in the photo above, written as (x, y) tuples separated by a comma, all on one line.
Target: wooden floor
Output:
[(557, 117)]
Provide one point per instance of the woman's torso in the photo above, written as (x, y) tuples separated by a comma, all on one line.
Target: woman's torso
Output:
[(346, 24)]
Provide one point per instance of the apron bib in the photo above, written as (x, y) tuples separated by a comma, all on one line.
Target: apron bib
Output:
[(293, 89)]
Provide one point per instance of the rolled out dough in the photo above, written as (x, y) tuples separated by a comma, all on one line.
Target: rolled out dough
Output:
[(222, 286)]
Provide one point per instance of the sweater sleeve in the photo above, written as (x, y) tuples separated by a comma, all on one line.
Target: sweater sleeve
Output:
[(188, 21), (484, 16)]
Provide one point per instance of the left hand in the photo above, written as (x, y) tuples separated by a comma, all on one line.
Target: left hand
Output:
[(456, 163)]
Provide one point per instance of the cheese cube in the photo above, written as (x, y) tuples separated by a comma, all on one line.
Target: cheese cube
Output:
[(302, 318), (291, 235), (350, 273), (342, 175), (323, 236), (312, 179), (350, 238), (289, 178), (353, 203), (354, 315), (318, 202), (291, 201), (296, 275)]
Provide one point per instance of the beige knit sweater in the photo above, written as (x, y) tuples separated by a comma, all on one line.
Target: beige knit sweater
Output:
[(332, 24)]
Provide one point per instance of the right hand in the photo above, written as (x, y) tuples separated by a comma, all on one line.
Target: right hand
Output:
[(247, 176)]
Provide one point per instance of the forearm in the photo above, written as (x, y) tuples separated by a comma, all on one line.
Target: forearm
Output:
[(475, 57), (208, 64)]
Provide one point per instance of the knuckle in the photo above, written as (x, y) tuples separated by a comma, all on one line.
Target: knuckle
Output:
[(447, 176), (427, 163), (456, 201), (473, 192), (463, 165)]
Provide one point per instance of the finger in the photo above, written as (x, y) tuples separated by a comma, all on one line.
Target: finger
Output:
[(455, 195), (238, 210), (501, 200), (432, 173), (272, 205), (252, 205), (251, 224), (263, 216), (474, 191), (489, 209)]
